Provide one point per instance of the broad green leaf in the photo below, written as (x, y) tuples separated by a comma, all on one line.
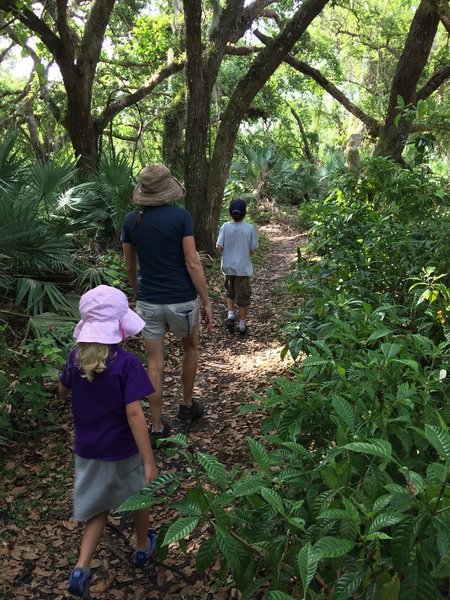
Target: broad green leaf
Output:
[(307, 565), (331, 547), (379, 333), (277, 595), (387, 586), (138, 501), (334, 514), (436, 472), (180, 529), (440, 440), (167, 480), (233, 551), (274, 499), (145, 498), (348, 583), (314, 361), (385, 520), (344, 410), (260, 454), (187, 508), (249, 486), (214, 469), (402, 543), (378, 535), (412, 364), (298, 449), (206, 554), (390, 351), (443, 567), (179, 439), (297, 522), (417, 583), (375, 447)]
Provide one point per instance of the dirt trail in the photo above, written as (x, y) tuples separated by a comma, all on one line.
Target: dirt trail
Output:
[(37, 490)]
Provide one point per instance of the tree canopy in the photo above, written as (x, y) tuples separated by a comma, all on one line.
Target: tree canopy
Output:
[(182, 82)]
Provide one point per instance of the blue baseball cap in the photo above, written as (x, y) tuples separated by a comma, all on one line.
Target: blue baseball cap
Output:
[(238, 207)]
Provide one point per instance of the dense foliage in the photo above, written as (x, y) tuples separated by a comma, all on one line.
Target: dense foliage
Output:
[(349, 494)]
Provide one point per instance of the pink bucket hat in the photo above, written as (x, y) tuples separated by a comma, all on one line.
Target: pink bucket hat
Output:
[(106, 317)]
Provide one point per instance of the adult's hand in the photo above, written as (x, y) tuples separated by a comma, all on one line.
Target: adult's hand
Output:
[(206, 314)]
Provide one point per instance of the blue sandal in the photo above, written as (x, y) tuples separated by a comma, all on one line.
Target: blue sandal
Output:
[(141, 557), (78, 583)]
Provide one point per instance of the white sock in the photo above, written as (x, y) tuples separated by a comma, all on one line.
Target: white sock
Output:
[(231, 314), (241, 324)]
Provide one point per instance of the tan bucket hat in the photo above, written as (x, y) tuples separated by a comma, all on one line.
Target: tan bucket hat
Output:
[(156, 187)]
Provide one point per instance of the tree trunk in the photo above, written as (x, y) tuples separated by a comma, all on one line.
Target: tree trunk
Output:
[(77, 60), (211, 178), (85, 140), (306, 148), (416, 51), (202, 67)]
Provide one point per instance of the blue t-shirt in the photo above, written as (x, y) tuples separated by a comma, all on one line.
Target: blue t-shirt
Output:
[(99, 406), (158, 240)]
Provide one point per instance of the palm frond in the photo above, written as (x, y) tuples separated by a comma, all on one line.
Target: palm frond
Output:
[(10, 164), (46, 181), (37, 296)]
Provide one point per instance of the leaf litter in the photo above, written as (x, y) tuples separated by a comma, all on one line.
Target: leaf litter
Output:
[(38, 540)]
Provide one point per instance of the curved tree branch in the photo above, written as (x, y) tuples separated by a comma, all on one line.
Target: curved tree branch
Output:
[(435, 81), (443, 10), (37, 25), (94, 33), (129, 100), (372, 124)]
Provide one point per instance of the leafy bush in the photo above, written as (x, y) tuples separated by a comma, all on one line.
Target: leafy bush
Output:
[(348, 494), (260, 172), (28, 377), (374, 232)]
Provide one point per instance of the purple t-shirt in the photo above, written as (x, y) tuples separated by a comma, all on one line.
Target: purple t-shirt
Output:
[(99, 406)]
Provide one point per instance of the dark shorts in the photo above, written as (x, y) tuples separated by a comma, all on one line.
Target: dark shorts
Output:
[(238, 288)]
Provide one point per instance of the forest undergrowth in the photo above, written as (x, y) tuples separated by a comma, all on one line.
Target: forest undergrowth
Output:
[(39, 541)]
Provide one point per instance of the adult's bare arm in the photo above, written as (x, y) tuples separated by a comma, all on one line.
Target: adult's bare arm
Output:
[(197, 274), (130, 257)]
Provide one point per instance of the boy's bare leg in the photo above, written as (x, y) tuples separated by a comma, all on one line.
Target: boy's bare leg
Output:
[(242, 310), (242, 313), (230, 305)]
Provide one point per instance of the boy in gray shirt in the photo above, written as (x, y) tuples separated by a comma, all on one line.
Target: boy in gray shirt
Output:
[(237, 241)]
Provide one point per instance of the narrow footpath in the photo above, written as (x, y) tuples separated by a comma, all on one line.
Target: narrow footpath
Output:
[(38, 539)]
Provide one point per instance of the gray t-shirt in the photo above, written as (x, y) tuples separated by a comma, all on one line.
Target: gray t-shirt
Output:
[(237, 238)]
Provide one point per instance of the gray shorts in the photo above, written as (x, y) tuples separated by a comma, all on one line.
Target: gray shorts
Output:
[(103, 484), (181, 319)]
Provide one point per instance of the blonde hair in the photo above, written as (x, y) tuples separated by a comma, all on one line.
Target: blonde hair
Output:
[(91, 358)]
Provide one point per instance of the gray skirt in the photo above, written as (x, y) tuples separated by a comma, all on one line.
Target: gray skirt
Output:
[(103, 485)]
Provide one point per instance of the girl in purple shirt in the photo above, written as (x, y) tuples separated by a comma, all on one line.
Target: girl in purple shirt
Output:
[(113, 455)]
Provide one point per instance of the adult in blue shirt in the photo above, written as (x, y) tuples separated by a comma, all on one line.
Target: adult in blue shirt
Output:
[(164, 269)]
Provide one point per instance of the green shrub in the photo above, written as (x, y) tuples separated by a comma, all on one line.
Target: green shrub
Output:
[(347, 494)]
